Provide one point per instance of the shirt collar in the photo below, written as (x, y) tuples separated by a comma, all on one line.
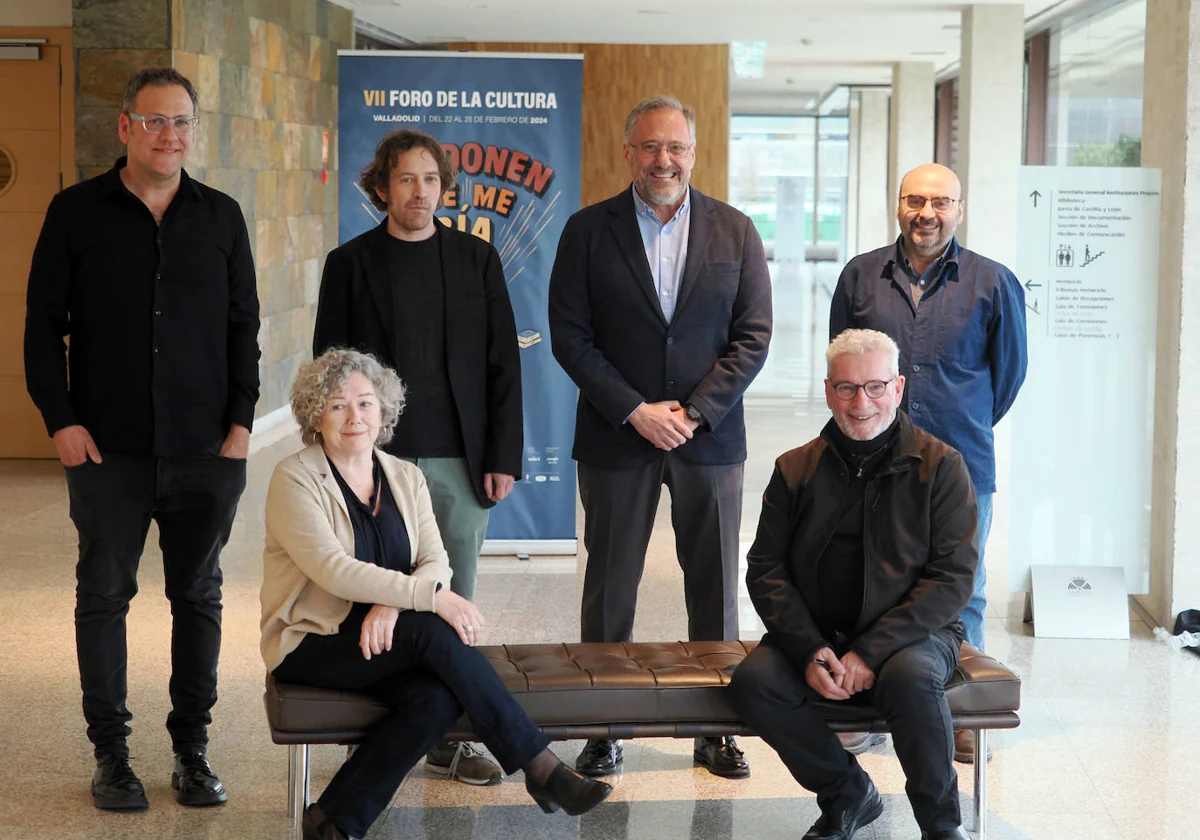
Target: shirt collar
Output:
[(949, 255), (643, 209), (112, 183)]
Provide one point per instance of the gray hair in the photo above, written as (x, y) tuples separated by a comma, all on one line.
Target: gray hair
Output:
[(860, 342), (657, 103), (318, 380), (159, 77)]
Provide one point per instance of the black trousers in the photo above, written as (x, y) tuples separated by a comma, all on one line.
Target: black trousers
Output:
[(619, 508), (428, 678), (194, 502), (772, 696)]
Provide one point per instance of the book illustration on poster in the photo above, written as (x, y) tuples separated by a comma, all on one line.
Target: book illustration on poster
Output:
[(528, 338)]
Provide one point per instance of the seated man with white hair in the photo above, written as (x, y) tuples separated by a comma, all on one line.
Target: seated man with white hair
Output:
[(864, 558)]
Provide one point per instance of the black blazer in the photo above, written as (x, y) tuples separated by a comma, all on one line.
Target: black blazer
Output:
[(356, 310), (610, 336)]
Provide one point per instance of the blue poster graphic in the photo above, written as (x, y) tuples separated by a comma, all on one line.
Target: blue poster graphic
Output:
[(512, 125)]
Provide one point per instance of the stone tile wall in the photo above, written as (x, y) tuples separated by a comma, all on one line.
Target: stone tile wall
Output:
[(266, 74)]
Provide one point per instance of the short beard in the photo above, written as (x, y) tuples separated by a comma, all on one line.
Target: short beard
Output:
[(883, 422), (655, 195), (932, 247)]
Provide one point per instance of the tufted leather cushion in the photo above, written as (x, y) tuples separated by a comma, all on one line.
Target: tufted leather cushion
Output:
[(627, 690)]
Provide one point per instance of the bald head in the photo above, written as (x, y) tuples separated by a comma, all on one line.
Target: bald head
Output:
[(926, 229), (931, 176)]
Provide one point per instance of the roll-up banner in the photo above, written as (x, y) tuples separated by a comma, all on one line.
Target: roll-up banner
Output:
[(512, 125)]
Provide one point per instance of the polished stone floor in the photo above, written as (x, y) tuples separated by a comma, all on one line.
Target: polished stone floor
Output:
[(1107, 747)]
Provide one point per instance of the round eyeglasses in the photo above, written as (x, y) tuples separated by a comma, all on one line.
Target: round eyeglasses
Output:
[(874, 389), (157, 123)]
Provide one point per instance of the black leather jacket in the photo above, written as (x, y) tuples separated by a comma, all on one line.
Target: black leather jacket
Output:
[(921, 547)]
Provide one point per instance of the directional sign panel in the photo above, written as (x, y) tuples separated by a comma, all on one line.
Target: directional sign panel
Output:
[(1083, 427)]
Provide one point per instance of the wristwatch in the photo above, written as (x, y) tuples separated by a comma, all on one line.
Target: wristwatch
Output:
[(694, 414)]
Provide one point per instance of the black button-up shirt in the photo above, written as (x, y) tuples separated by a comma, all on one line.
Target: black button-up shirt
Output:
[(380, 537), (162, 318)]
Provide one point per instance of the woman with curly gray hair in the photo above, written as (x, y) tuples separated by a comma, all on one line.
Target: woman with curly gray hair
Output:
[(355, 597)]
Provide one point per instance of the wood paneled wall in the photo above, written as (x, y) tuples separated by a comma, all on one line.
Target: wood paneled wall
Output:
[(617, 76)]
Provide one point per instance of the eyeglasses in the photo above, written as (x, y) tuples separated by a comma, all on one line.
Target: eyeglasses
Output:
[(940, 203), (157, 123), (651, 148), (874, 389)]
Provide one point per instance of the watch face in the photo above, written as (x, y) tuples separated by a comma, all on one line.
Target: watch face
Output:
[(693, 414)]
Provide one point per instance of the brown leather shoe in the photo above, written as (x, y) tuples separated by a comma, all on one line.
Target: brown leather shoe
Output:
[(964, 747)]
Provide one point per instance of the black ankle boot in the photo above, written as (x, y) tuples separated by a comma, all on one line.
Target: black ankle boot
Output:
[(567, 790), (322, 829)]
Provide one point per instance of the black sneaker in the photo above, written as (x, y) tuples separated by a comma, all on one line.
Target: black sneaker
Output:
[(194, 781), (115, 787)]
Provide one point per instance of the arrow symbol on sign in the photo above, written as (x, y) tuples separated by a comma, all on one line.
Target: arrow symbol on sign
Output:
[(1035, 195), (1030, 286)]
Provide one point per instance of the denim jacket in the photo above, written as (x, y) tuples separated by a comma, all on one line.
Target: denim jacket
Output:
[(962, 351)]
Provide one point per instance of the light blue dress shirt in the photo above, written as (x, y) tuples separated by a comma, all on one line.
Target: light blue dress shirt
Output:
[(666, 248)]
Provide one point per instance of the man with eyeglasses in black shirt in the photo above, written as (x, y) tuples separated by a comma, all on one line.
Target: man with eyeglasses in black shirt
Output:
[(151, 276)]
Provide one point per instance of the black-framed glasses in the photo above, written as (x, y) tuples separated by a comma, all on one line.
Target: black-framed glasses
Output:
[(874, 389), (651, 148), (157, 123), (941, 203)]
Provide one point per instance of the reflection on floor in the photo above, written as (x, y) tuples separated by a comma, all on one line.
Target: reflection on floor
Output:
[(1106, 749)]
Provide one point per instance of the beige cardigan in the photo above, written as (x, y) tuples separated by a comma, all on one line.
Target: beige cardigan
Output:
[(310, 576)]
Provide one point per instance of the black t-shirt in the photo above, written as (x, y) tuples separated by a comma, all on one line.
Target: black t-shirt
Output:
[(379, 535), (429, 426)]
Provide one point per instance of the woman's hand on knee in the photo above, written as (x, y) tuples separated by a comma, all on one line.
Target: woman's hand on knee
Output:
[(461, 614), (377, 630)]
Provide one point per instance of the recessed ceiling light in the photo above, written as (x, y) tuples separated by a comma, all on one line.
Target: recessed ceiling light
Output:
[(928, 52), (651, 12), (952, 26)]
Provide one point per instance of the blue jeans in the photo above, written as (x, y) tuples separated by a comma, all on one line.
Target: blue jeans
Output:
[(972, 614)]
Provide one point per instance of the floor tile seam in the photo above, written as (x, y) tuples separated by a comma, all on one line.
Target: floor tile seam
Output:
[(1104, 800)]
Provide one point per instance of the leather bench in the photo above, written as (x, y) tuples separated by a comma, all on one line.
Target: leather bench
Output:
[(640, 690)]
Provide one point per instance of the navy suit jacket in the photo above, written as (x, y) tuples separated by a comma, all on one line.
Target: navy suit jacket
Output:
[(356, 309), (610, 336)]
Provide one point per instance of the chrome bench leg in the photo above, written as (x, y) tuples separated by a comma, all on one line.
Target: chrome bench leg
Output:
[(981, 752), (298, 783)]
